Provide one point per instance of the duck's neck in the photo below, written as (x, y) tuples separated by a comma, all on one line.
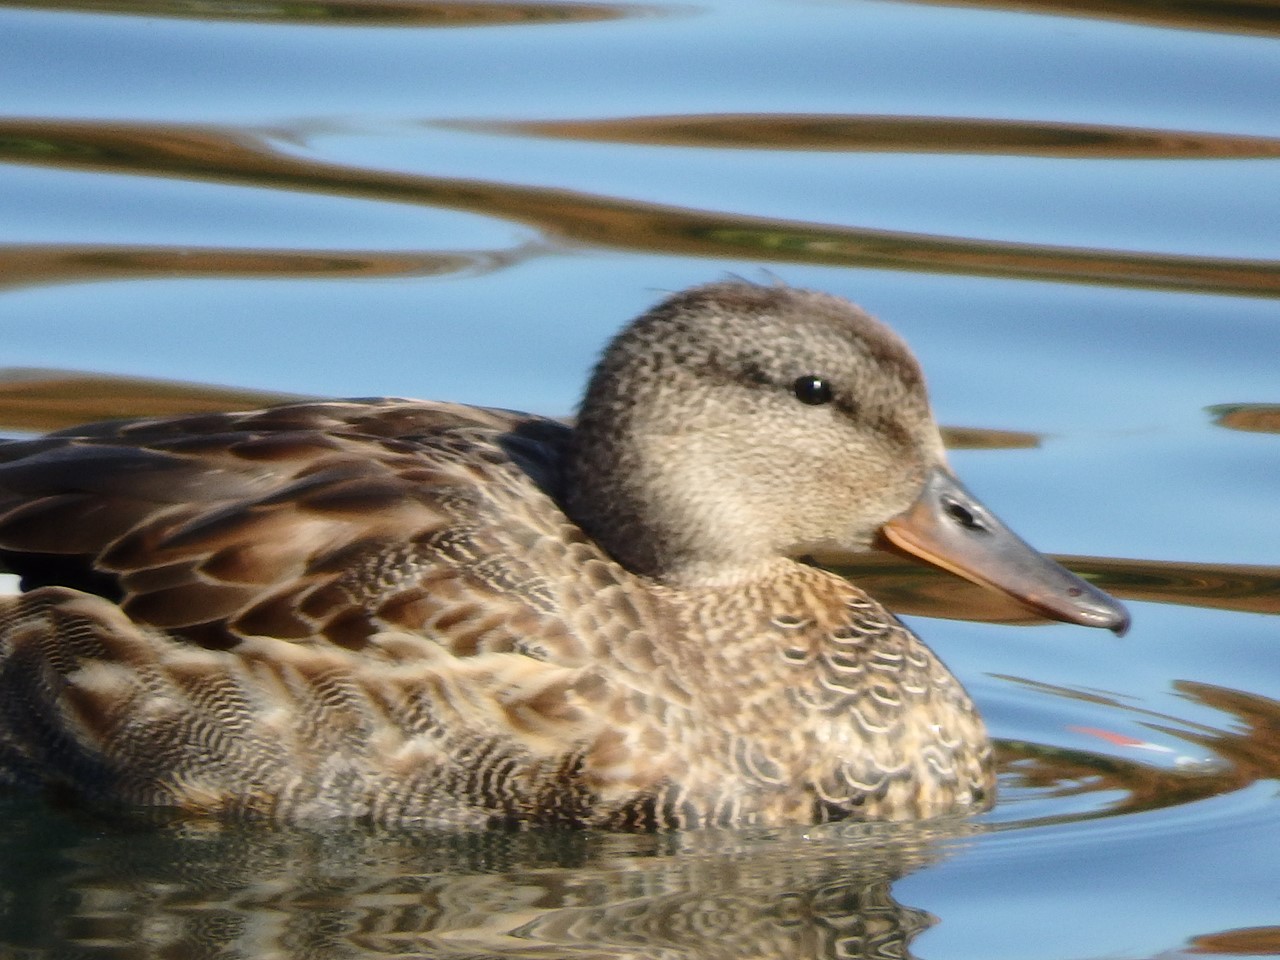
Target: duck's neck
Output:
[(657, 522)]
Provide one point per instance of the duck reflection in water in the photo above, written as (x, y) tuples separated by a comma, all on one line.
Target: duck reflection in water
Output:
[(245, 891), (414, 612)]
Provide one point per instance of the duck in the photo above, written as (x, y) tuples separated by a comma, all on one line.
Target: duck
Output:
[(408, 612)]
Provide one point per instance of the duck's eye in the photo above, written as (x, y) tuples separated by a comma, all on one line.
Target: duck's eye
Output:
[(812, 389)]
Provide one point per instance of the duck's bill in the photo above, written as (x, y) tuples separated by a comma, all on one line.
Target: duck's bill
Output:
[(949, 527)]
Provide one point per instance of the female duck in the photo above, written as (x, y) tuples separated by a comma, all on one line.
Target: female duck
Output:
[(401, 611)]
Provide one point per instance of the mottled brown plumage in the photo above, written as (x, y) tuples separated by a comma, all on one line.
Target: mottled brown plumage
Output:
[(399, 610)]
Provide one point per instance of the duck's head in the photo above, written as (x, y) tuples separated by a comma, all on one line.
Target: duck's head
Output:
[(734, 424)]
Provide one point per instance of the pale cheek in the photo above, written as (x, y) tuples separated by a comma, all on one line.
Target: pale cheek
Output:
[(847, 498)]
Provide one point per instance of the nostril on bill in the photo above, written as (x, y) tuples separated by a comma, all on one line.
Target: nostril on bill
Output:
[(963, 515)]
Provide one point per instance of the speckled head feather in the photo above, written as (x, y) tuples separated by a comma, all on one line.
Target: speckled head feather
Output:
[(406, 611), (693, 456)]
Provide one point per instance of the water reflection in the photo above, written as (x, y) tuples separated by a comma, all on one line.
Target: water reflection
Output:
[(1247, 16), (45, 400), (1253, 749), (254, 892), (29, 265), (985, 438), (352, 13), (1245, 749), (1250, 417), (908, 587), (845, 133), (242, 156), (1244, 942)]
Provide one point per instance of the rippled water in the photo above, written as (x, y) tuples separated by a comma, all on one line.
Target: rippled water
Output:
[(1069, 209)]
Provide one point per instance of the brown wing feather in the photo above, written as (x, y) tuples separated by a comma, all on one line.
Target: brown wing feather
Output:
[(318, 520)]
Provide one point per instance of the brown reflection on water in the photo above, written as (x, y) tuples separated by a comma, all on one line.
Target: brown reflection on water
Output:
[(351, 13), (1059, 774), (983, 438), (26, 265), (1220, 586), (1241, 942), (830, 132), (1253, 748), (245, 892), (1245, 754), (1237, 16), (911, 588), (242, 157), (42, 400), (1250, 417)]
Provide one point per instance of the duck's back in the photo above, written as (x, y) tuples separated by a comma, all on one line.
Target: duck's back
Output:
[(308, 610), (309, 522)]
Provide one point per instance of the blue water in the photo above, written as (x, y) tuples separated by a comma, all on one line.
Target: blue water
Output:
[(1114, 370)]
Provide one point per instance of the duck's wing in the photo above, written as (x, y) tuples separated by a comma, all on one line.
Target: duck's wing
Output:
[(311, 522)]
